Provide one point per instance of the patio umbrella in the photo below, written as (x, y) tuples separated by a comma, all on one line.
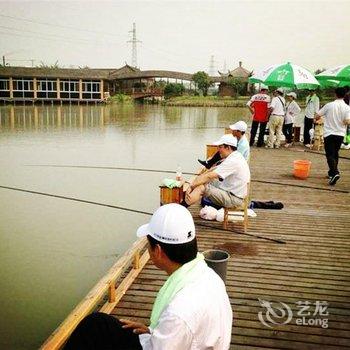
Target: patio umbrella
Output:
[(339, 73), (333, 83), (286, 75)]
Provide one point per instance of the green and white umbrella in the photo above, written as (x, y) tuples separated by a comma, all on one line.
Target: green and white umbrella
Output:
[(286, 75), (339, 73)]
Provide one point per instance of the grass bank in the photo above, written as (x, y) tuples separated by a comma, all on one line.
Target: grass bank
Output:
[(207, 101)]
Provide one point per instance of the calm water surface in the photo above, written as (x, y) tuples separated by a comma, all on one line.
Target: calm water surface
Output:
[(53, 251)]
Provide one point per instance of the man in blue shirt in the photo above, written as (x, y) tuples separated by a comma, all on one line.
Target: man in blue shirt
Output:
[(238, 130)]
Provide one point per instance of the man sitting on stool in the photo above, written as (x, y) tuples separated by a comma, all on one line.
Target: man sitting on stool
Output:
[(226, 185), (192, 309), (238, 131)]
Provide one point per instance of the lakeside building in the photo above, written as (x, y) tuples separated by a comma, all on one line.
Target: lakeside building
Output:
[(65, 84), (95, 84)]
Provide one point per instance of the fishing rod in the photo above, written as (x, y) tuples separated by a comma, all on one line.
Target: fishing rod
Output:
[(121, 208), (185, 173)]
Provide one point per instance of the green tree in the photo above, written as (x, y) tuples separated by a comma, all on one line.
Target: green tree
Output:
[(173, 89), (238, 85), (202, 81)]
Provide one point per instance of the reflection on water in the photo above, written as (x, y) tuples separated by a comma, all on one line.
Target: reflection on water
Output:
[(22, 118), (52, 251)]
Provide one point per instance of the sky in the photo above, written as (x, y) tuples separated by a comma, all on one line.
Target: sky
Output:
[(176, 35)]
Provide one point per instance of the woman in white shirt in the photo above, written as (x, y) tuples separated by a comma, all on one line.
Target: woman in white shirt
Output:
[(292, 110)]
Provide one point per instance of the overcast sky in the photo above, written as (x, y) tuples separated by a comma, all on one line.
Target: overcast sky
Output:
[(176, 35)]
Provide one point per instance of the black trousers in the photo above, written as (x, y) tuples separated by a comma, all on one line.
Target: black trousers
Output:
[(100, 331), (254, 129), (287, 130), (332, 145), (308, 123)]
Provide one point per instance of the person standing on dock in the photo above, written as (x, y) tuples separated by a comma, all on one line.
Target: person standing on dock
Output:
[(227, 184), (312, 107), (278, 110), (259, 108), (192, 309), (336, 116), (292, 110)]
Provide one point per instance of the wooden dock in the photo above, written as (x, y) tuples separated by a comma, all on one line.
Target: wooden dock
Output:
[(298, 254)]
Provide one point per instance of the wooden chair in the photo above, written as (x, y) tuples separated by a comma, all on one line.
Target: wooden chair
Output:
[(244, 208)]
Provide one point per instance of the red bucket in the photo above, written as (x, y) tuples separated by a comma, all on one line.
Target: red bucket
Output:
[(301, 169)]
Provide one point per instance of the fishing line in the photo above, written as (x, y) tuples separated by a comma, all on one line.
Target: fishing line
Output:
[(323, 154), (122, 208), (185, 173)]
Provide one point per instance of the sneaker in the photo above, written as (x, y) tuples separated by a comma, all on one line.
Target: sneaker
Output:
[(345, 146), (268, 146), (287, 145), (308, 145), (333, 180), (204, 163)]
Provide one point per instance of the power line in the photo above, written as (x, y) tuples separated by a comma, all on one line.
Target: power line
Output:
[(57, 25), (48, 34)]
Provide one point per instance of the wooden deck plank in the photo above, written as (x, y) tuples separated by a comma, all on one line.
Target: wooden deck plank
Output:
[(311, 265)]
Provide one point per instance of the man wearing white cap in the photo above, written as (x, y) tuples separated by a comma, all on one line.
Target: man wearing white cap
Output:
[(292, 110), (226, 185), (238, 130), (192, 309), (278, 109)]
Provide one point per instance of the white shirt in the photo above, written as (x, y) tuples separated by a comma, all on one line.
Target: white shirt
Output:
[(312, 106), (335, 113), (234, 171), (198, 318), (259, 98), (292, 110), (243, 147), (278, 105)]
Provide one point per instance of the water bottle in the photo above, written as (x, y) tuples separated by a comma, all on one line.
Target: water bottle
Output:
[(178, 174)]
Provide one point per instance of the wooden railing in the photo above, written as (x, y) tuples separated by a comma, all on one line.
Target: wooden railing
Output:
[(134, 259)]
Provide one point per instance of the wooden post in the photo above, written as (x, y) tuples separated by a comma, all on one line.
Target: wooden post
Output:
[(58, 88), (111, 292), (11, 87), (101, 90), (80, 89), (35, 95), (296, 130), (136, 262)]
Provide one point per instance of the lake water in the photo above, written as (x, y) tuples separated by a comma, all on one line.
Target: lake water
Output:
[(53, 251)]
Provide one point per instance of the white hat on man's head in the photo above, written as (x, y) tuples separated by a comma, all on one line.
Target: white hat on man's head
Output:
[(227, 139), (239, 126), (293, 94), (171, 223), (280, 90)]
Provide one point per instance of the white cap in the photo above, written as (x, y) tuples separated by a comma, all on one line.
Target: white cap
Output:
[(280, 90), (293, 94), (264, 87), (227, 139), (240, 126), (171, 223)]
